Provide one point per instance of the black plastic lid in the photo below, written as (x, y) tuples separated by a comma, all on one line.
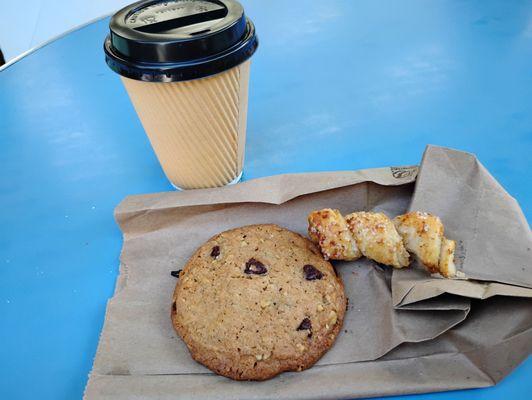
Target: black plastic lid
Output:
[(165, 41)]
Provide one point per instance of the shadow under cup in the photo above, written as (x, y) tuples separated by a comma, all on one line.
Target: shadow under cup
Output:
[(185, 66)]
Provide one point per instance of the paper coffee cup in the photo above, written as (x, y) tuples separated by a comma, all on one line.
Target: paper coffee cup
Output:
[(185, 65)]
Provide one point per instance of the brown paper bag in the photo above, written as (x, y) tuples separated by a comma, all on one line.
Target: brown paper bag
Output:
[(494, 241), (381, 349)]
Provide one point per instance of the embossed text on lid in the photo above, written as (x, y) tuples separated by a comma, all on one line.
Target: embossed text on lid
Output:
[(179, 40)]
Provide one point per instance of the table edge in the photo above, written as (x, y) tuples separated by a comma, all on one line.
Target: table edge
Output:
[(51, 40)]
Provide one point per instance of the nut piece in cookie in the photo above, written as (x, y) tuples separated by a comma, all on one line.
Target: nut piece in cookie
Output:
[(329, 230), (377, 238)]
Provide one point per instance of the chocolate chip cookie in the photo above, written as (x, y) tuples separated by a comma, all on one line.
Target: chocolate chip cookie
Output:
[(258, 300)]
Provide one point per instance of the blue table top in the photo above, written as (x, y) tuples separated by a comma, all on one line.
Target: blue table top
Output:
[(335, 85)]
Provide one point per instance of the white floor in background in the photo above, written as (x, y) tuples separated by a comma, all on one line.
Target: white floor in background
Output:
[(26, 24)]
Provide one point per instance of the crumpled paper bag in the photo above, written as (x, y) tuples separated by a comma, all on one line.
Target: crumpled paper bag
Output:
[(494, 241), (419, 346)]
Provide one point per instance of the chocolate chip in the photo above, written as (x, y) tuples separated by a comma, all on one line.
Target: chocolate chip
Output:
[(306, 325), (175, 274), (312, 273), (255, 267), (215, 252), (174, 308)]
